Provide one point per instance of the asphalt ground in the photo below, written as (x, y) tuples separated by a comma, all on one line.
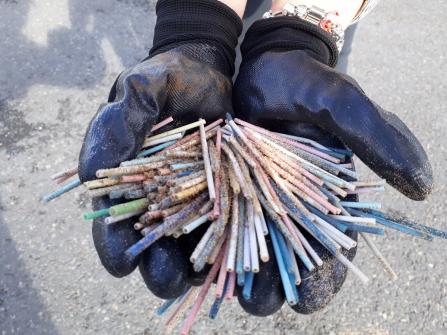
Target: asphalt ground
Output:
[(57, 62)]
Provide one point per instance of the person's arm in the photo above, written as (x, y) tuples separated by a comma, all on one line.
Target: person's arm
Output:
[(237, 5), (347, 10)]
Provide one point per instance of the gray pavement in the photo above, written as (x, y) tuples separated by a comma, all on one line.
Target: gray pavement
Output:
[(58, 59)]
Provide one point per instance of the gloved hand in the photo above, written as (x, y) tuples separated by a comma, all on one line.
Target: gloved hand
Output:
[(187, 76), (286, 83)]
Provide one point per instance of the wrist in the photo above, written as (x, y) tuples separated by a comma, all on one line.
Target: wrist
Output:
[(237, 5), (346, 10), (289, 33)]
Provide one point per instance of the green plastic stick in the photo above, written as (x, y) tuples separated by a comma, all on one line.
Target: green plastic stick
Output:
[(96, 214), (127, 207)]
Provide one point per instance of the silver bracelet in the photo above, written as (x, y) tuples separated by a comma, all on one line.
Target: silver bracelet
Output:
[(328, 21)]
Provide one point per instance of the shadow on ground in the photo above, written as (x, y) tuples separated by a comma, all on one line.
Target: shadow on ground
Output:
[(21, 308)]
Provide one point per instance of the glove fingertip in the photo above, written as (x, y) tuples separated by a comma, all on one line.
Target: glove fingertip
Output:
[(164, 269), (267, 295)]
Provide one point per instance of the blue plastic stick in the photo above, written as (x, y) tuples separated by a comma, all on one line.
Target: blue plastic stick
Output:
[(284, 252), (303, 219), (183, 174), (248, 285), (285, 278), (64, 189), (365, 205), (364, 228), (165, 306), (294, 288), (345, 152), (336, 223), (391, 224), (155, 149), (404, 221), (182, 166), (241, 278), (217, 302), (145, 242)]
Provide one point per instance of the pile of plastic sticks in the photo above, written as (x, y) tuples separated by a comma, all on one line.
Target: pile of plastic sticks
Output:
[(231, 176)]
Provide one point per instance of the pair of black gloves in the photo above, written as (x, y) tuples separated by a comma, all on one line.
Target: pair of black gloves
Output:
[(286, 83)]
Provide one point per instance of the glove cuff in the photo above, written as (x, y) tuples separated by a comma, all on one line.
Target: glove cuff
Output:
[(286, 33), (212, 25)]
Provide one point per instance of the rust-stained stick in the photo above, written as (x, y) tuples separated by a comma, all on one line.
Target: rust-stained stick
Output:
[(305, 192), (241, 151), (186, 327), (202, 243), (99, 192), (285, 140), (171, 210), (213, 156), (98, 183), (189, 192), (161, 124), (64, 175), (249, 183), (133, 169), (306, 164), (225, 203), (206, 208), (337, 190), (180, 180), (295, 169), (232, 244), (187, 184), (206, 161), (194, 136), (181, 129), (209, 247), (233, 182), (216, 208), (212, 257), (237, 171), (183, 154), (181, 307), (372, 183), (133, 178), (174, 219), (222, 274), (230, 286)]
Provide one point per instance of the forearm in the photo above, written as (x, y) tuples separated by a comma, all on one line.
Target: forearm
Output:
[(237, 5), (346, 9)]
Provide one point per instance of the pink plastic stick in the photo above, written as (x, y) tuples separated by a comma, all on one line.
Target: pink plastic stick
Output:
[(230, 286), (187, 324), (222, 274), (288, 141), (133, 178), (162, 124)]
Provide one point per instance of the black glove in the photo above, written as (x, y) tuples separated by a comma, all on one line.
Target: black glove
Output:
[(187, 76), (286, 83)]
